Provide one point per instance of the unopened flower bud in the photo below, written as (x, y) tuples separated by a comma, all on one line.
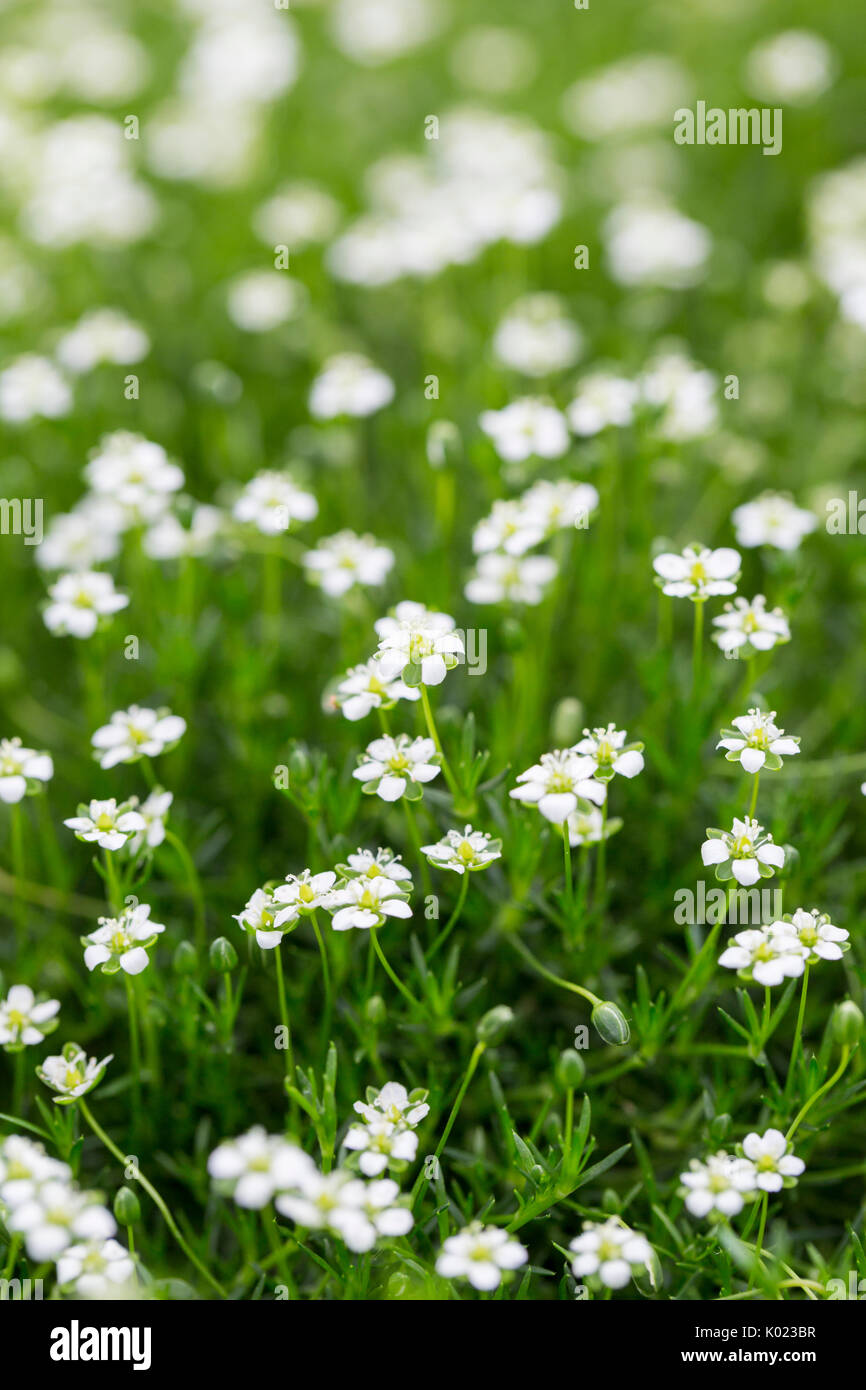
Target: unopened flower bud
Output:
[(374, 1009), (494, 1025), (223, 956), (570, 1069), (610, 1023), (566, 724), (127, 1209), (185, 960), (847, 1023), (610, 1202)]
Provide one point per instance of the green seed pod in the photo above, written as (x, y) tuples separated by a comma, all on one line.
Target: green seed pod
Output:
[(223, 956), (127, 1209), (185, 960), (610, 1023), (494, 1025), (847, 1023), (570, 1069), (566, 723), (374, 1009)]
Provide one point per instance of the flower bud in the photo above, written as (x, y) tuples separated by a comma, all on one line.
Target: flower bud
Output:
[(494, 1025), (127, 1210), (566, 723), (570, 1069), (223, 956), (847, 1023), (374, 1009), (185, 960), (610, 1202), (610, 1023)]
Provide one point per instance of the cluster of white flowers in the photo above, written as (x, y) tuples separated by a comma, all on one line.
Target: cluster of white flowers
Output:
[(296, 215), (745, 852), (837, 226), (719, 1186), (387, 1136), (527, 428), (504, 572), (349, 385), (464, 851), (772, 519), (102, 335), (77, 603), (610, 1252), (31, 386), (782, 949), (633, 94), (258, 1168), (651, 243), (260, 300), (71, 1073), (565, 778), (59, 1223)]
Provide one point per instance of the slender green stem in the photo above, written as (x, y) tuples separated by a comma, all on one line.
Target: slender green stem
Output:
[(195, 888), (14, 1246), (797, 1044), (284, 1013), (415, 842), (17, 846), (452, 920), (134, 1049), (112, 883), (477, 1053), (392, 975), (759, 1242), (846, 1054), (697, 646), (154, 1196), (569, 883), (523, 950), (326, 976), (601, 860), (754, 802), (453, 786)]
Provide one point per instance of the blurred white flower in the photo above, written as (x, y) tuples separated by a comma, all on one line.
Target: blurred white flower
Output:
[(480, 1254), (772, 519), (525, 429), (86, 536), (271, 501), (649, 243), (602, 400), (339, 562), (136, 733), (815, 932), (719, 1186), (510, 579), (23, 1021), (794, 67), (378, 1142), (97, 1269), (744, 624), (536, 338), (364, 688), (494, 60), (394, 1104), (24, 1167), (637, 92), (102, 335), (349, 384), (297, 215), (82, 188), (611, 1251), (698, 573), (377, 31), (154, 812), (59, 1216), (22, 770), (257, 1165), (134, 472), (78, 601), (169, 539), (684, 394), (261, 300), (32, 386)]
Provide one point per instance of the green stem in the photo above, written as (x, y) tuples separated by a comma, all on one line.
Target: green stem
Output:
[(415, 842), (326, 975), (452, 920), (754, 801), (112, 883), (17, 846), (134, 1049), (846, 1054), (154, 1196), (569, 882), (195, 888), (759, 1243), (798, 1030), (284, 1013), (601, 860), (477, 1053), (392, 975), (434, 734), (523, 950), (697, 646)]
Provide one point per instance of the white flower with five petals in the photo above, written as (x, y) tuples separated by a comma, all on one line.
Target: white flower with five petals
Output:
[(136, 733), (775, 1166), (766, 957), (366, 902), (23, 1021), (418, 644), (555, 784), (395, 767), (756, 742), (745, 852), (609, 1251), (122, 943), (697, 573), (21, 770), (480, 1254), (745, 625), (106, 823)]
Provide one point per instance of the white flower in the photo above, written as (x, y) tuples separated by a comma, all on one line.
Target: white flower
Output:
[(395, 767), (349, 384), (418, 644), (23, 1022), (525, 429), (464, 851), (756, 742), (385, 1213), (257, 1165), (775, 1167), (102, 335), (136, 733), (271, 502), (261, 300), (154, 812), (560, 505), (611, 1251), (394, 1104), (602, 400), (297, 215), (366, 902), (106, 823), (32, 386), (365, 864), (341, 561), (71, 1073), (763, 956), (355, 1211), (719, 1186), (536, 338), (21, 770), (379, 1142), (510, 579), (169, 539), (794, 67), (510, 527), (135, 472), (629, 95), (556, 782), (87, 536), (480, 1254), (97, 1269), (371, 32), (24, 1167), (685, 394), (258, 917), (587, 826), (745, 852), (698, 573), (745, 624), (653, 244), (122, 943), (57, 1217), (79, 600), (815, 933), (364, 688), (610, 754), (772, 519), (301, 894)]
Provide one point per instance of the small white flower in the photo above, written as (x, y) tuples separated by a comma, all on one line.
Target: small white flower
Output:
[(527, 428), (154, 812), (379, 1142), (59, 1216), (79, 600), (102, 335), (135, 472), (464, 851), (602, 400), (815, 933), (22, 770), (341, 561), (510, 527), (71, 1073), (394, 1104), (364, 688), (395, 767), (261, 300), (106, 823), (271, 501), (561, 505), (536, 338), (365, 864), (86, 536), (772, 519), (794, 68), (301, 894), (366, 902), (298, 215), (766, 957), (97, 1269), (23, 1021), (745, 624), (24, 1167), (355, 1211), (480, 1254), (745, 852), (587, 826), (257, 1165), (775, 1166), (122, 943), (698, 573), (349, 384), (650, 243), (610, 1251), (683, 394), (719, 1186), (259, 916), (136, 733), (556, 782), (32, 386), (610, 754), (756, 742), (510, 579), (418, 644), (169, 539)]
